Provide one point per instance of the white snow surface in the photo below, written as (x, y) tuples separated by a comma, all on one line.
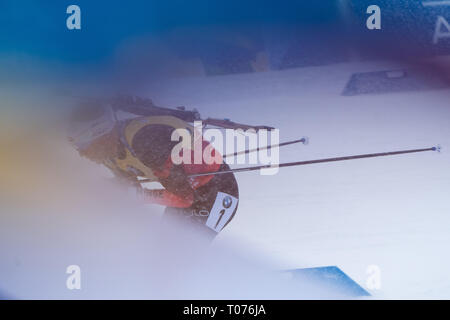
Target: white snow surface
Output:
[(392, 212)]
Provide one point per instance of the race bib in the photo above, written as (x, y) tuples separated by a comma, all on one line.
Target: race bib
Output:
[(221, 211)]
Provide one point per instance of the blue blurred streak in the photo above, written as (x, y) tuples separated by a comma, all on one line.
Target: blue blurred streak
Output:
[(38, 28), (292, 33)]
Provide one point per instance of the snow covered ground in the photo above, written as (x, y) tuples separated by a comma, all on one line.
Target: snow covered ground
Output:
[(389, 212)]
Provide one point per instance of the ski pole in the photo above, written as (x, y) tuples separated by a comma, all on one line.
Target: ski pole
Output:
[(301, 163), (303, 140)]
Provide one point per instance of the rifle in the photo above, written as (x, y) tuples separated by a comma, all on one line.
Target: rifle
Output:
[(146, 107)]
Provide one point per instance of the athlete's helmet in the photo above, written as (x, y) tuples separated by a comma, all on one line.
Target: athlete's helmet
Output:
[(90, 122)]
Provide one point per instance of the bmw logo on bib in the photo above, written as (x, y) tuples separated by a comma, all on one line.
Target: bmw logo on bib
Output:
[(222, 211)]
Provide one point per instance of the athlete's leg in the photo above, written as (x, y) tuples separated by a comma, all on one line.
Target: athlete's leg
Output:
[(215, 205), (186, 218), (217, 200)]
